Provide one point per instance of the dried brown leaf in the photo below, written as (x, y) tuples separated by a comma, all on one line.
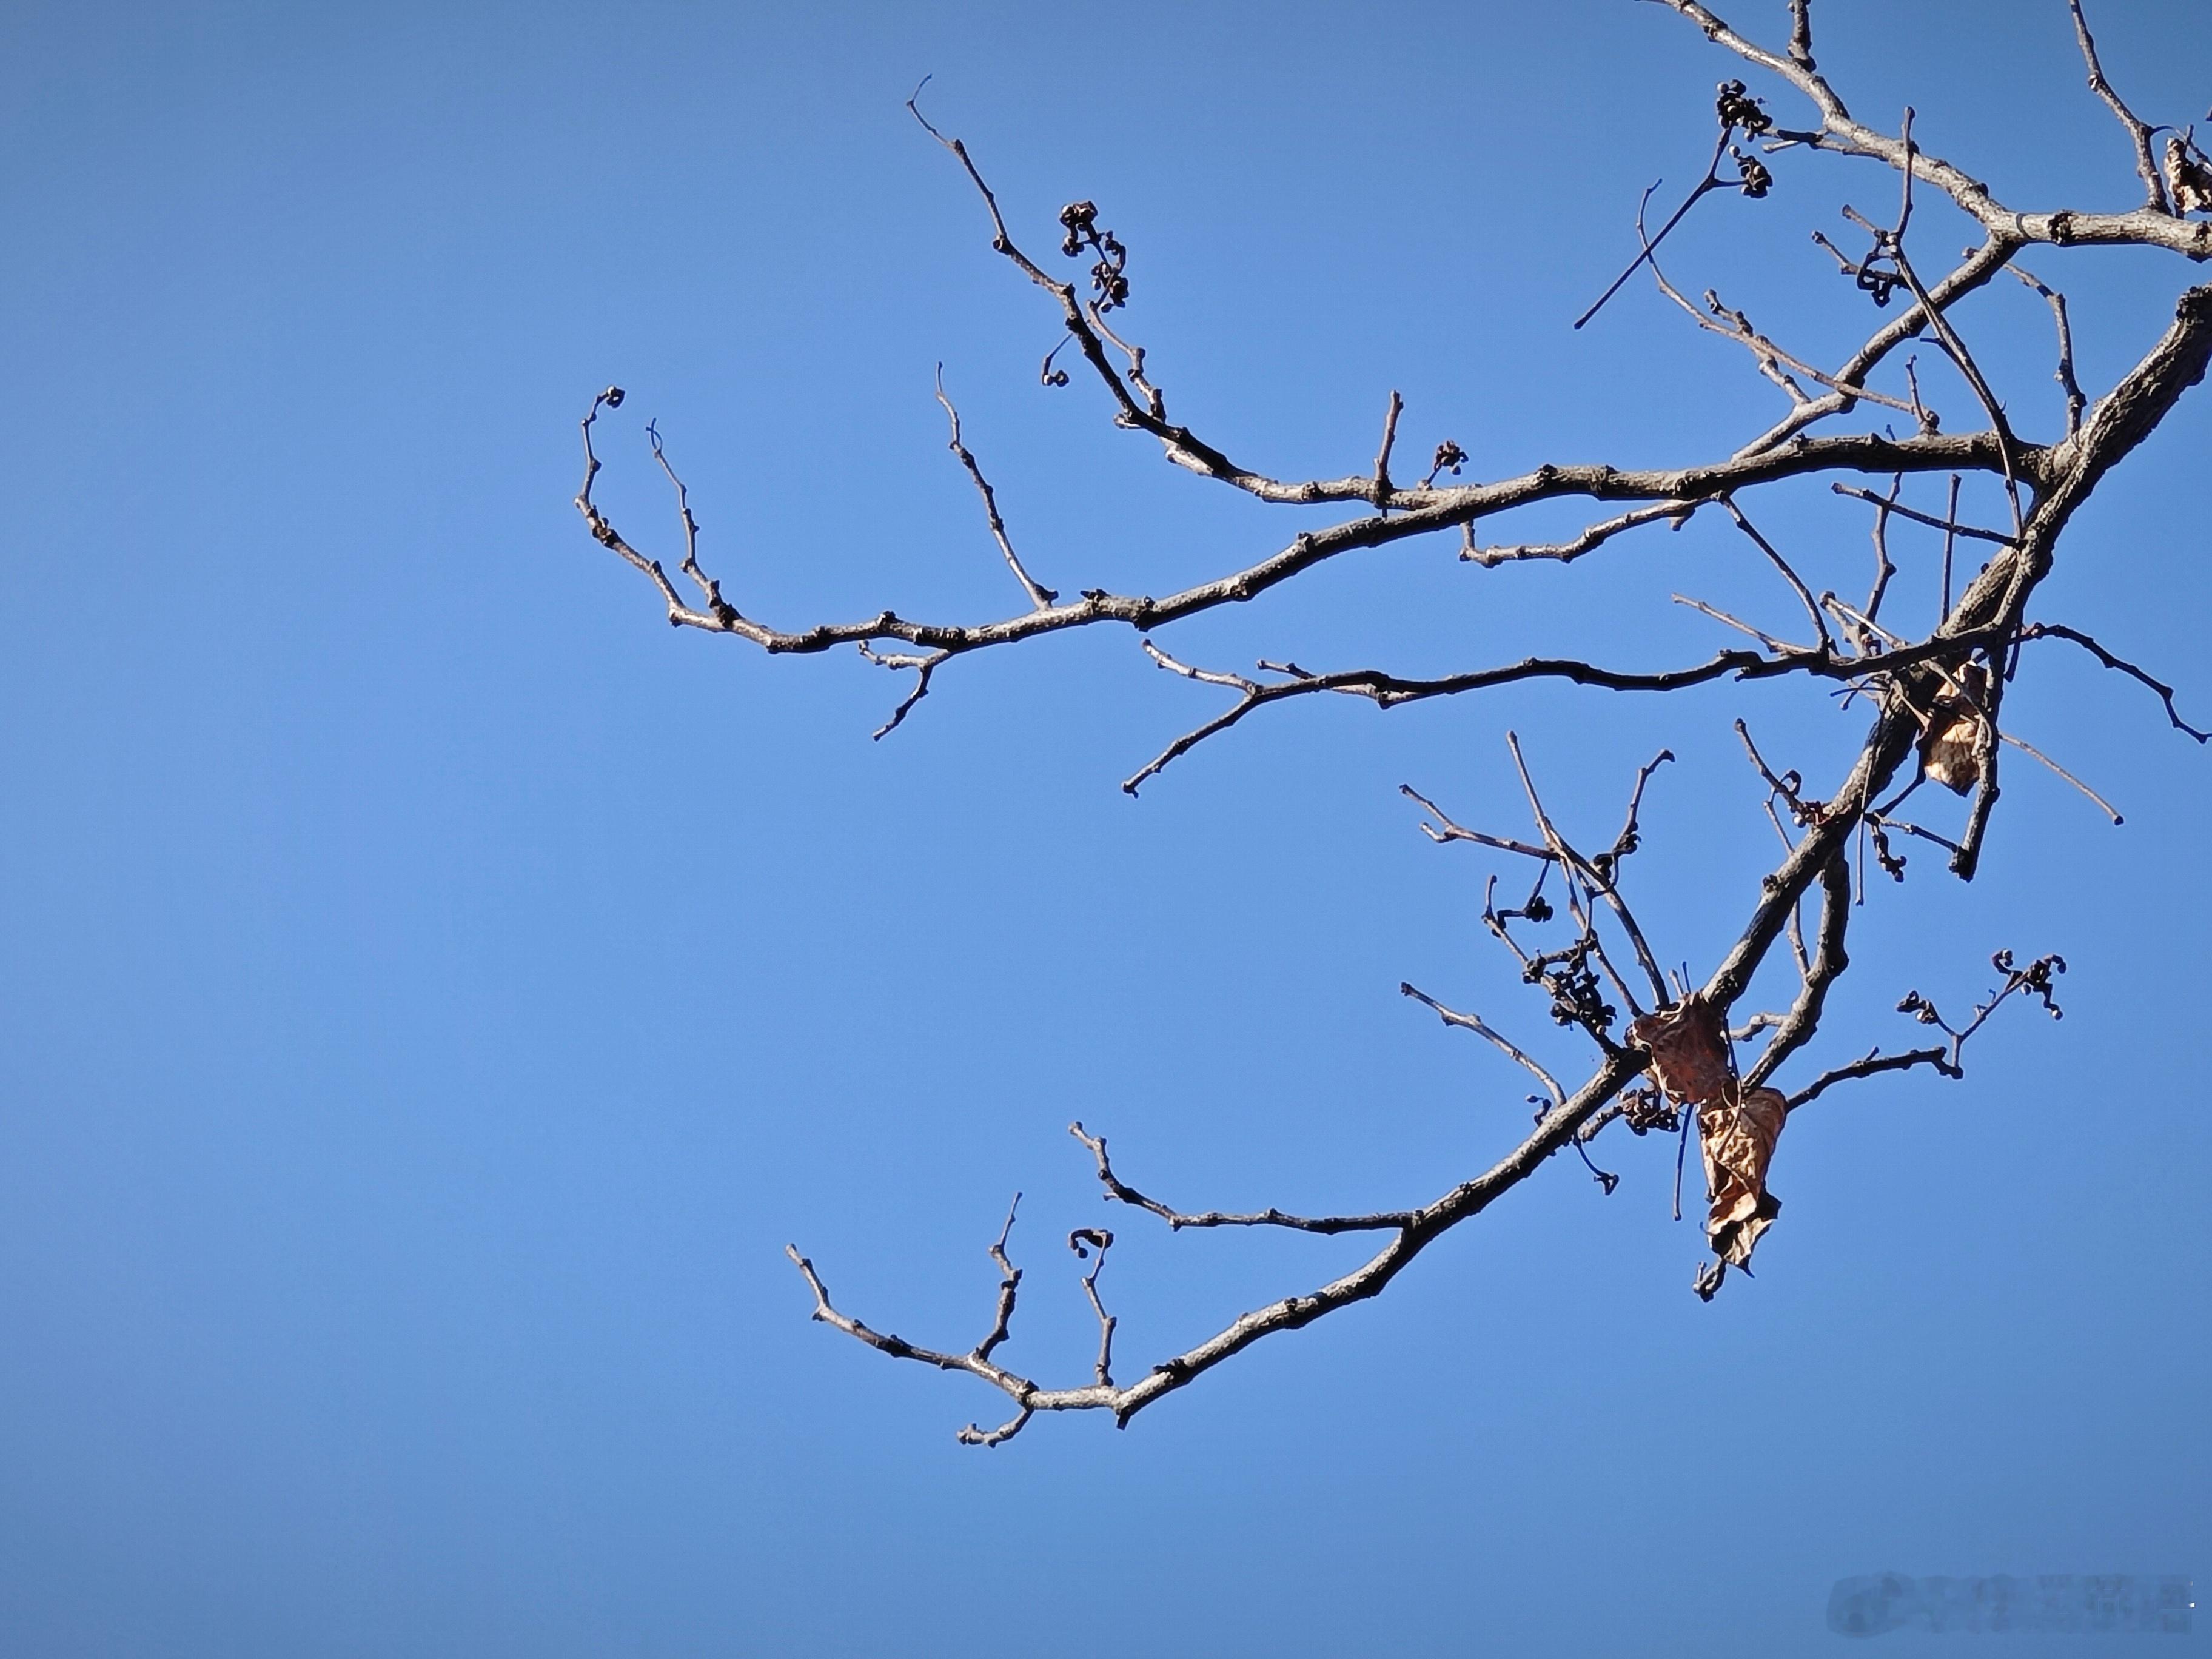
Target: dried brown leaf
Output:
[(1947, 752), (1950, 747), (1689, 1052), (2188, 177), (1737, 1139)]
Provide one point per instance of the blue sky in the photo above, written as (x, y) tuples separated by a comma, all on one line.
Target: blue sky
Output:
[(435, 992)]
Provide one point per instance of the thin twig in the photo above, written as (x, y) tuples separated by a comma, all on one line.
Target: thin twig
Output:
[(1595, 879), (2029, 749), (2060, 631), (1782, 564), (1873, 1065), (1088, 1242), (1042, 598), (1710, 182), (2076, 402), (1884, 566), (1121, 1192), (1504, 1045), (1009, 1279), (1676, 513), (2138, 133), (1383, 491), (1948, 524), (1951, 530), (1778, 647)]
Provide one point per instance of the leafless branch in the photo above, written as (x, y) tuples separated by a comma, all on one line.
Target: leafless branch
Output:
[(2060, 631), (1122, 1192), (2076, 402), (1382, 490), (1091, 1243), (1801, 34), (2033, 753), (1009, 1279), (1445, 830), (1796, 581), (1873, 1065), (1042, 598), (1598, 881), (1472, 1022), (2037, 980), (1826, 963), (1884, 566), (2138, 133), (709, 590), (1946, 685), (1972, 531), (1951, 533), (1388, 691), (923, 666), (1731, 324), (1676, 513), (1712, 181)]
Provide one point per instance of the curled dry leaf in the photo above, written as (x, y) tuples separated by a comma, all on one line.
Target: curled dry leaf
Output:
[(1689, 1052), (2188, 177), (1948, 751), (1736, 1128), (1737, 1139), (1950, 747)]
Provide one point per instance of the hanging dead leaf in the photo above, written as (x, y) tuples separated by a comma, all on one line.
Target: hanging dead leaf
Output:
[(1947, 752), (1950, 749), (2188, 177), (1689, 1053), (1737, 1140)]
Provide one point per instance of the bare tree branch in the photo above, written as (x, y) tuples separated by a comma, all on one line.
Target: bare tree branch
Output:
[(1042, 598), (1797, 582), (1873, 1065), (1472, 1022), (1934, 696), (2138, 133), (2076, 402), (1972, 531), (1122, 1192), (2060, 631)]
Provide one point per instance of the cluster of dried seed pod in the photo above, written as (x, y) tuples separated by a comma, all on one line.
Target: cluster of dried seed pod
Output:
[(1736, 107), (1108, 285)]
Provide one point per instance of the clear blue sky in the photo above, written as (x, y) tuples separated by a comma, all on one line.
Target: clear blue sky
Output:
[(433, 992)]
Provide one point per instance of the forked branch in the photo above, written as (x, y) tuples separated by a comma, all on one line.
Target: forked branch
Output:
[(1930, 684)]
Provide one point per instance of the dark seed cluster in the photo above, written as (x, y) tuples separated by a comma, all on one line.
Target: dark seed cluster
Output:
[(1109, 285)]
